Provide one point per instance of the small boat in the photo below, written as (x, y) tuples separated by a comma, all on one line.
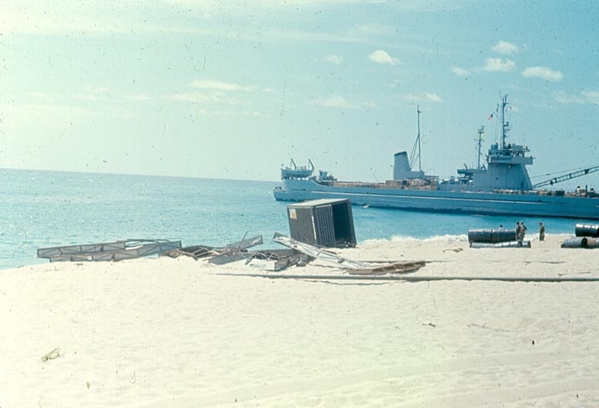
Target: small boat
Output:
[(295, 172)]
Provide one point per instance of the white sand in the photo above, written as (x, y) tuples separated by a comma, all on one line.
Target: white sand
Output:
[(175, 333)]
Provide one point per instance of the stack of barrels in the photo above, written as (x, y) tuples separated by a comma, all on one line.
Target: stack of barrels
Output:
[(495, 238), (586, 237)]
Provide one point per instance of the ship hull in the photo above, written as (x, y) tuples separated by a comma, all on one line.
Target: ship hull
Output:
[(531, 204)]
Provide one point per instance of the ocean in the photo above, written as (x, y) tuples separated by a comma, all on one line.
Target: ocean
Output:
[(45, 208)]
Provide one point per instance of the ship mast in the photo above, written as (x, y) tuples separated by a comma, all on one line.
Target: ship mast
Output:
[(419, 157), (416, 145), (505, 126), (481, 131)]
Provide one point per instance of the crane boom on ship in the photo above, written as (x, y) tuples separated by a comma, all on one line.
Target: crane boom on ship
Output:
[(566, 177)]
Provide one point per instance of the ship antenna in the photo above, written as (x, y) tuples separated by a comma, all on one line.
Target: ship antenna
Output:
[(505, 126), (416, 145), (481, 131), (419, 156)]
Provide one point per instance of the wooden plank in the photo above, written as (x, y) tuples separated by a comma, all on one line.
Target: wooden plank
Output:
[(416, 278), (397, 267)]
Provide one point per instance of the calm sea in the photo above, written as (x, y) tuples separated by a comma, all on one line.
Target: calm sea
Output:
[(44, 209)]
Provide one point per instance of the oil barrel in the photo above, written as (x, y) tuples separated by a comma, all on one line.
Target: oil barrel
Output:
[(592, 243), (576, 242), (509, 244), (586, 230), (492, 236)]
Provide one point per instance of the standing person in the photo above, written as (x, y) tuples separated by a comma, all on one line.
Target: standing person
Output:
[(518, 232), (522, 230), (541, 232)]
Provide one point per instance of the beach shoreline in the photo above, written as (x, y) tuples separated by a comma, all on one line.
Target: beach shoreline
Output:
[(180, 332)]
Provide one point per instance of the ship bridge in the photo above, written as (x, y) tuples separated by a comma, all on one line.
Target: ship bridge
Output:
[(506, 164), (511, 154)]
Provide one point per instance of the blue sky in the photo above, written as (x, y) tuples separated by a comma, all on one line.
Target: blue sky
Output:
[(235, 89)]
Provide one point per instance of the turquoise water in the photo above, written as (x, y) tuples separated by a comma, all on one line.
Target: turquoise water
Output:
[(42, 209)]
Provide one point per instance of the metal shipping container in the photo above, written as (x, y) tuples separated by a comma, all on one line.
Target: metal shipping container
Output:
[(326, 223)]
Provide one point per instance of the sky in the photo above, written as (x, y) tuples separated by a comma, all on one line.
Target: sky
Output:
[(236, 89)]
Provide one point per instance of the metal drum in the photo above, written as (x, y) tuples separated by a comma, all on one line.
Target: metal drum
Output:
[(509, 244), (585, 230), (577, 242), (492, 236), (592, 243)]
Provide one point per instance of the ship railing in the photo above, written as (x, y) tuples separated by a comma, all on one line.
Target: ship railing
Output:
[(389, 184), (556, 193)]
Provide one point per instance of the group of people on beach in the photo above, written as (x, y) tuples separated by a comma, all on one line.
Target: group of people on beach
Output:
[(521, 231)]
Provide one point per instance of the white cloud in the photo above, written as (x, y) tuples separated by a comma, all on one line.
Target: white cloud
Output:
[(86, 97), (215, 5), (335, 101), (229, 112), (94, 93), (97, 89), (563, 97), (505, 48), (137, 97), (216, 112), (382, 57), (334, 59), (424, 97), (544, 73), (193, 97), (375, 29), (41, 17), (221, 86), (37, 18), (215, 92), (50, 116), (591, 97), (499, 65), (254, 114), (460, 71), (39, 95)]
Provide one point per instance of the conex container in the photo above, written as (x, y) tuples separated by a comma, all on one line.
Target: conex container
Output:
[(326, 223)]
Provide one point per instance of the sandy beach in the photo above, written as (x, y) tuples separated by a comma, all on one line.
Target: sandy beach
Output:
[(176, 332)]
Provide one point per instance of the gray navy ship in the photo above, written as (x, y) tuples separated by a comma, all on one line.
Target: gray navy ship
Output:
[(502, 186)]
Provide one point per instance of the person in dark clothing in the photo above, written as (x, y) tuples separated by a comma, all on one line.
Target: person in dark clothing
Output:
[(522, 230), (541, 232)]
